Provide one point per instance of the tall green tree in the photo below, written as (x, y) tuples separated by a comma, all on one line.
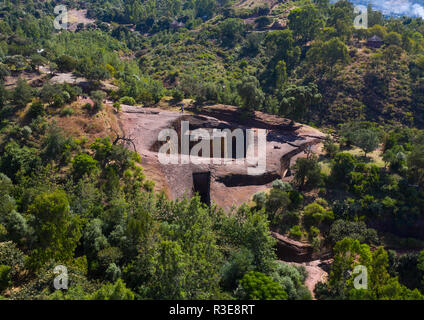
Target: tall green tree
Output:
[(22, 94), (250, 93), (305, 22), (57, 232)]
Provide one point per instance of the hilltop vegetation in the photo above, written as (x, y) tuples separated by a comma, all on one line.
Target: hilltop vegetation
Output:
[(72, 193)]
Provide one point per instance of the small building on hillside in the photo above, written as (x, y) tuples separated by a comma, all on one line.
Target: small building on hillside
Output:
[(375, 42)]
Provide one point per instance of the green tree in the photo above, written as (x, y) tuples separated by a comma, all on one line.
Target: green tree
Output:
[(56, 230), (238, 264), (22, 94), (328, 53), (251, 230), (393, 38), (305, 22), (296, 101), (83, 164), (250, 93), (292, 279), (366, 139), (341, 167), (416, 164), (4, 277), (171, 272), (350, 253), (330, 147), (97, 96), (307, 172), (281, 74), (113, 291), (258, 286), (66, 63), (231, 31)]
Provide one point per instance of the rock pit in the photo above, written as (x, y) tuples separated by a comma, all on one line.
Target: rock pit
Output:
[(226, 185)]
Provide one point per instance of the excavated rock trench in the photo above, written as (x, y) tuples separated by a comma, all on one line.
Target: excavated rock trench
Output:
[(225, 184)]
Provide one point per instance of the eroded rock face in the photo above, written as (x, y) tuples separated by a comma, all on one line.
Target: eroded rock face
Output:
[(228, 184), (291, 250)]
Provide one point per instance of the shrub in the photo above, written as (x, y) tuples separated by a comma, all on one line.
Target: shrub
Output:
[(282, 185), (84, 164), (117, 105), (308, 172), (330, 147), (313, 215), (11, 256), (290, 218), (239, 263), (127, 100), (259, 198), (68, 111), (115, 291), (356, 230), (295, 232), (291, 278), (178, 95), (258, 286), (87, 106), (36, 109), (97, 96), (149, 185), (4, 277), (113, 272)]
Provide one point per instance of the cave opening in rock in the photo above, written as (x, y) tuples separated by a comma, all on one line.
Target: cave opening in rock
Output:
[(240, 180), (202, 186)]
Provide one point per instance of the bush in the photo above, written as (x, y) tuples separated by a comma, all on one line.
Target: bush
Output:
[(149, 185), (313, 215), (11, 256), (36, 109), (290, 218), (295, 232), (127, 100), (239, 263), (66, 63), (87, 107), (22, 94), (291, 278), (117, 106), (97, 96), (282, 185), (4, 277), (84, 164), (356, 230), (259, 198), (258, 286), (115, 291), (68, 111), (307, 172), (113, 272), (178, 95), (330, 147)]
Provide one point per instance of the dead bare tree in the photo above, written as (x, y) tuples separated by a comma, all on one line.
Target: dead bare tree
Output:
[(127, 140)]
